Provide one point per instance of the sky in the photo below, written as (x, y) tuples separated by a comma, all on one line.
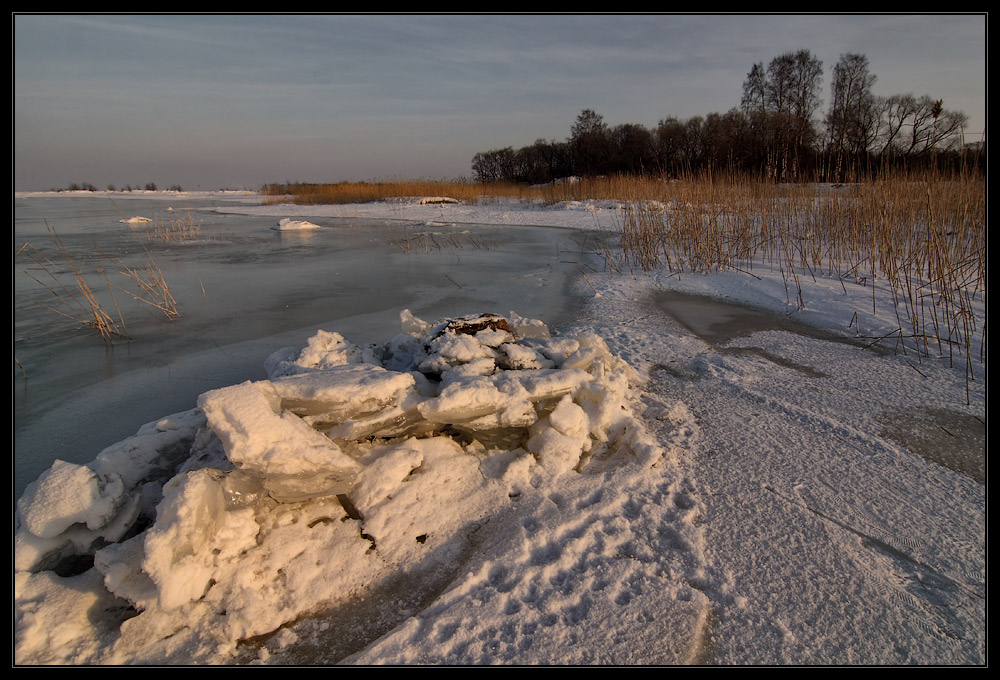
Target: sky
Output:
[(236, 101)]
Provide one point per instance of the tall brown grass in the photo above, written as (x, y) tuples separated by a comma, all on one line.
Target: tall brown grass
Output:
[(923, 236), (175, 228), (579, 189)]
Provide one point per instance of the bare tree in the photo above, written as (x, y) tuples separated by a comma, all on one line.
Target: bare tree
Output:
[(931, 127), (755, 91), (949, 130), (850, 119), (497, 165), (787, 93), (895, 111)]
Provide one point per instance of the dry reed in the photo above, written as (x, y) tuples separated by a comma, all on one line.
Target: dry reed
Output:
[(923, 236), (89, 310), (85, 306), (579, 189)]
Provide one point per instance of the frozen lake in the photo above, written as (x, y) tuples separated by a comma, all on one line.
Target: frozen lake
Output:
[(243, 290)]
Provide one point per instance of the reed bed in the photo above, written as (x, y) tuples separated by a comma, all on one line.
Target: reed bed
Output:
[(925, 238), (575, 189), (175, 228)]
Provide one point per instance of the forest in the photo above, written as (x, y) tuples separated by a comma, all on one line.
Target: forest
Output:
[(778, 133)]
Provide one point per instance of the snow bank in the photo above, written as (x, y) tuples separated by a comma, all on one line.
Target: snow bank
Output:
[(288, 224), (436, 200), (282, 498)]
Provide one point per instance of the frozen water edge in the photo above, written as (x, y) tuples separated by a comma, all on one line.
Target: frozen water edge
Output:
[(242, 294), (222, 540)]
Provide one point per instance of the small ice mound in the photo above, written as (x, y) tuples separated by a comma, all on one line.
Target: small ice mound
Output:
[(281, 498), (436, 200), (324, 350), (288, 224), (135, 220)]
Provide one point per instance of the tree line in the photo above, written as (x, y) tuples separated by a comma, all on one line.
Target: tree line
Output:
[(87, 186), (777, 133)]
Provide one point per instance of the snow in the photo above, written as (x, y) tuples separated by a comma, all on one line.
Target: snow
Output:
[(589, 214), (635, 489), (288, 224), (433, 200)]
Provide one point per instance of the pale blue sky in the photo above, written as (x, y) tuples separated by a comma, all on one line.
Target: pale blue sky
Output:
[(211, 101)]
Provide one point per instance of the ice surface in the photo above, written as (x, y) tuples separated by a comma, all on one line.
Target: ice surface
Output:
[(243, 291)]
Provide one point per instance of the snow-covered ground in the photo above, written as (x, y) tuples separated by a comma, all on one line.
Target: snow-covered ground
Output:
[(685, 475)]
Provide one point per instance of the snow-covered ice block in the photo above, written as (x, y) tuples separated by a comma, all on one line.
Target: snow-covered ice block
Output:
[(469, 398), (344, 392), (32, 553), (68, 494), (258, 436)]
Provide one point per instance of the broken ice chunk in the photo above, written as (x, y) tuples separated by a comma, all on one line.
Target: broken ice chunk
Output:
[(396, 355), (492, 337), (546, 384), (68, 494), (527, 328), (32, 553), (464, 400), (121, 566), (193, 538), (153, 450), (582, 358), (344, 392), (569, 419), (519, 357), (412, 325), (298, 488), (450, 349), (556, 349), (561, 437), (486, 366), (258, 437)]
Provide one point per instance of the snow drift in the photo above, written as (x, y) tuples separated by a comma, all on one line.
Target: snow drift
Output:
[(288, 224)]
